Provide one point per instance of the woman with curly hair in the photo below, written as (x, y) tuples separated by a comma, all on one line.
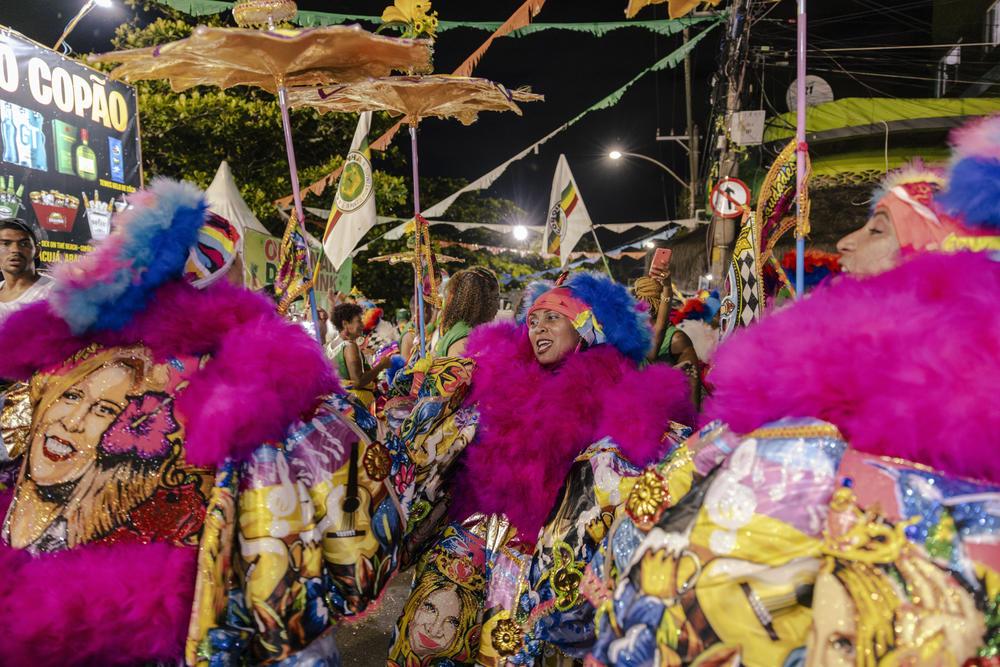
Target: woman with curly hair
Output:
[(472, 297)]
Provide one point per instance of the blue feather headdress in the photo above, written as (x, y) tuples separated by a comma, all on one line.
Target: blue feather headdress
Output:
[(621, 322), (148, 247), (973, 192)]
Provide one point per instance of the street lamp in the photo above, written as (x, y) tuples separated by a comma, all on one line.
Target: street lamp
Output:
[(90, 4), (520, 232), (617, 155)]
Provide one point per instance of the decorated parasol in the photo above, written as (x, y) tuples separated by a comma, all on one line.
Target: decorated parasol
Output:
[(272, 59), (416, 97)]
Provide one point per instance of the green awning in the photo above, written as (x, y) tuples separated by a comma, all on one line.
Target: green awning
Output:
[(856, 168), (859, 116)]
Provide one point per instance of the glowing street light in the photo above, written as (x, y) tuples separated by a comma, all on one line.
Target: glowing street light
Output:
[(617, 155), (520, 232), (90, 4)]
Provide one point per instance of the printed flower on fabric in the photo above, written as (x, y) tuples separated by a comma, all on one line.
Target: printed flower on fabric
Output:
[(638, 618), (170, 515), (404, 478), (143, 426)]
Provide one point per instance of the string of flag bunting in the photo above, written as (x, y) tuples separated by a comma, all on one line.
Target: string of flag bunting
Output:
[(667, 62), (308, 19)]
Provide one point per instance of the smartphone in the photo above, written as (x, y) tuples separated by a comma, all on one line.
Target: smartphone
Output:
[(661, 259)]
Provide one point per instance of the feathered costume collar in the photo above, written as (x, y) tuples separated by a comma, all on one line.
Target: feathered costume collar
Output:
[(904, 363), (128, 603), (534, 421)]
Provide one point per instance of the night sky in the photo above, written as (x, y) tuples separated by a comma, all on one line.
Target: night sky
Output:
[(572, 70), (575, 70)]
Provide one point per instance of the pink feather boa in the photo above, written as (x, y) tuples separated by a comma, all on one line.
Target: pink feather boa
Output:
[(132, 603), (904, 363), (533, 421), (96, 606)]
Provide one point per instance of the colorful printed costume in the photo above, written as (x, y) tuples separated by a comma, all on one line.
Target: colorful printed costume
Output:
[(862, 539), (178, 490), (529, 425), (790, 545)]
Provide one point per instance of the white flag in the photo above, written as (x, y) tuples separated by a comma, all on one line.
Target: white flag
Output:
[(353, 212), (568, 218)]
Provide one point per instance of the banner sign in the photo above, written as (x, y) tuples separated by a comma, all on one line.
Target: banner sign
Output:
[(70, 142), (260, 262)]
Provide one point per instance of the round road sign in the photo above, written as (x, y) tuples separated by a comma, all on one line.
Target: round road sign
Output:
[(730, 197)]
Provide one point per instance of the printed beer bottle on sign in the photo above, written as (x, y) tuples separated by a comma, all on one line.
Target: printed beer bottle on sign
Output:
[(86, 161)]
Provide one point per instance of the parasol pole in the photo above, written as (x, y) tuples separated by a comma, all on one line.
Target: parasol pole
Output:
[(418, 288), (601, 250), (286, 126), (800, 157)]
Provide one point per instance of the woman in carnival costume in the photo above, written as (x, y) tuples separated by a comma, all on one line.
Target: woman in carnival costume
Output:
[(179, 489), (870, 538), (670, 345), (561, 377), (351, 362)]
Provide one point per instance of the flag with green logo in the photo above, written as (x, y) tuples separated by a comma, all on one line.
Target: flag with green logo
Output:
[(353, 213), (568, 219)]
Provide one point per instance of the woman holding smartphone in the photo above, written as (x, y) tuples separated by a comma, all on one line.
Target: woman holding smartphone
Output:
[(670, 344)]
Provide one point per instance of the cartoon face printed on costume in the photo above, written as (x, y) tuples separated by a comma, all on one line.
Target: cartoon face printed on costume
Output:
[(552, 336), (873, 249), (67, 434), (103, 442), (436, 622)]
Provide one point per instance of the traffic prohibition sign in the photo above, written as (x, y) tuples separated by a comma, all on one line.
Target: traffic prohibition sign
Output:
[(730, 197)]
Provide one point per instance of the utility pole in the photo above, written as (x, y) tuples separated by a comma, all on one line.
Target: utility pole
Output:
[(692, 145), (724, 229)]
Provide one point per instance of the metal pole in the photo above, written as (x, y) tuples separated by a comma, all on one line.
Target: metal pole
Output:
[(418, 288), (800, 157), (72, 24), (286, 126), (660, 165), (723, 230), (601, 250), (692, 149)]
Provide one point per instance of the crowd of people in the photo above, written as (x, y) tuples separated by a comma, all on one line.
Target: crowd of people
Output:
[(188, 477)]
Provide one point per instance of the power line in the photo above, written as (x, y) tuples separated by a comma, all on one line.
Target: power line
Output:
[(894, 76), (909, 46)]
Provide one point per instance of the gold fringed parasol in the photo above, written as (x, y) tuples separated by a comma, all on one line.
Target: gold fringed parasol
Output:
[(416, 97), (272, 59), (227, 57)]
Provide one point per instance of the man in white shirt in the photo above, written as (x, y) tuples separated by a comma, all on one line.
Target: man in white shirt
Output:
[(19, 261)]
